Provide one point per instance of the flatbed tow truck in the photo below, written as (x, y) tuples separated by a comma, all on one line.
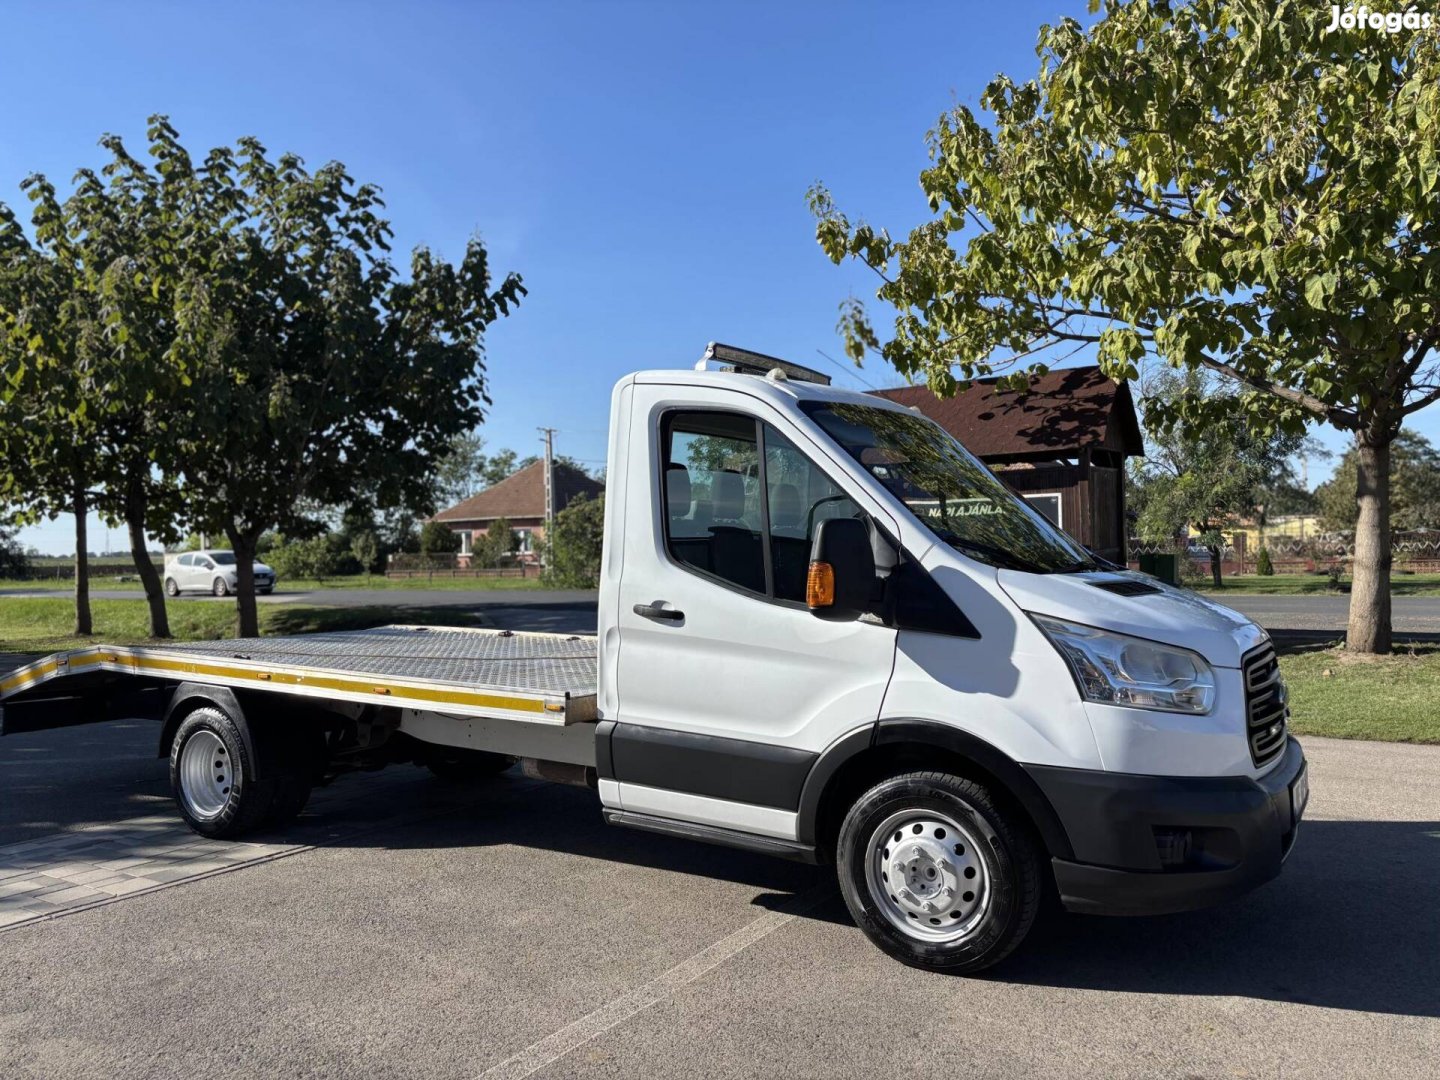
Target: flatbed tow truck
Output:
[(826, 632)]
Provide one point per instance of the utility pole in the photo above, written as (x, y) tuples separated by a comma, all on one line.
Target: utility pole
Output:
[(549, 434)]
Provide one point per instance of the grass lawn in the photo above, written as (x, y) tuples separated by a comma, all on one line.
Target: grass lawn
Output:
[(42, 625), (1301, 584), (1346, 696), (355, 581)]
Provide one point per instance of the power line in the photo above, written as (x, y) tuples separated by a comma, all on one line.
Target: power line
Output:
[(852, 371)]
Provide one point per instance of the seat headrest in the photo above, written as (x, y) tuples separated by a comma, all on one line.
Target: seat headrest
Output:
[(785, 511), (727, 495), (677, 490)]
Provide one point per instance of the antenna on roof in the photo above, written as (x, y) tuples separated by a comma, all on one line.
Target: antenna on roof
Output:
[(753, 363)]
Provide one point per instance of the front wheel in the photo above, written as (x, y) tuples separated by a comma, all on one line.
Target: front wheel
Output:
[(220, 588), (937, 873)]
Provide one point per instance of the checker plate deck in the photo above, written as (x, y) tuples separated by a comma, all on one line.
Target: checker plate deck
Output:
[(550, 678)]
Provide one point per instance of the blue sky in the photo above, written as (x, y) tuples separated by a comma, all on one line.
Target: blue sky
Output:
[(642, 165)]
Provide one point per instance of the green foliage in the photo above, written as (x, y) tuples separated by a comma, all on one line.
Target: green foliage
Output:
[(498, 541), (315, 558), (1264, 565), (465, 469), (1202, 474), (365, 547), (84, 328), (279, 357), (13, 561), (438, 539), (1213, 183), (573, 545), (1414, 487)]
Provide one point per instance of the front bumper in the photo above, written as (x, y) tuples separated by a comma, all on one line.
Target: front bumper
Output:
[(1150, 845)]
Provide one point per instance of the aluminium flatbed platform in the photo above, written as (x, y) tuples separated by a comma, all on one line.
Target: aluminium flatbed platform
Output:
[(502, 674)]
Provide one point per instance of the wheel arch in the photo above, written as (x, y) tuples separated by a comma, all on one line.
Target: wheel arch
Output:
[(191, 696), (861, 758)]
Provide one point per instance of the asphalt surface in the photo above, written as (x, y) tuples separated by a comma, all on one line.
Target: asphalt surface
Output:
[(518, 935), (1316, 613)]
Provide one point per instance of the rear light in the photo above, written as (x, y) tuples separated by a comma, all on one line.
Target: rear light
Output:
[(820, 585)]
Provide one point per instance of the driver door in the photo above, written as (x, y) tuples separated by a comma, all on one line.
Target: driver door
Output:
[(728, 687)]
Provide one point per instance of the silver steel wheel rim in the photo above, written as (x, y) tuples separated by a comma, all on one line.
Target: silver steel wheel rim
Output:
[(207, 774), (928, 875), (220, 588)]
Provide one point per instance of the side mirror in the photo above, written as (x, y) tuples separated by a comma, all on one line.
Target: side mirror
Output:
[(842, 570)]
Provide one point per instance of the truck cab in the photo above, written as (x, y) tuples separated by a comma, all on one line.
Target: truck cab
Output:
[(827, 630)]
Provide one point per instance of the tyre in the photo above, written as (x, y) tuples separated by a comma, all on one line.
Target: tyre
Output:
[(220, 588), (465, 766), (264, 592), (939, 874), (210, 775), (171, 588), (213, 778)]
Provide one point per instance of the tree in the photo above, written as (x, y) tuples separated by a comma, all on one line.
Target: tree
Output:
[(459, 473), (573, 545), (1219, 185), (313, 558), (561, 461), (313, 368), (1264, 565), (365, 546), (47, 438), (1414, 486), (437, 538), (13, 561), (499, 541), (89, 328), (1204, 474)]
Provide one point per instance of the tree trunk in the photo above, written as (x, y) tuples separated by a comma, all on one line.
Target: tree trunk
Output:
[(149, 576), (248, 616), (81, 500), (1215, 567), (1369, 630)]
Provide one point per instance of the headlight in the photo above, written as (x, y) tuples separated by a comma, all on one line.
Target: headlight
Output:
[(1117, 669)]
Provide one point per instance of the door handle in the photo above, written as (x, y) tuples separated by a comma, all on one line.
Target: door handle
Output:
[(662, 614)]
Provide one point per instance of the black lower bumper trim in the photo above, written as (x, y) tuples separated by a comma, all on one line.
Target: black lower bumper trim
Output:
[(1234, 833)]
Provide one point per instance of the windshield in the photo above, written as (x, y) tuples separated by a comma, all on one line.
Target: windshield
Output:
[(949, 490), (222, 558)]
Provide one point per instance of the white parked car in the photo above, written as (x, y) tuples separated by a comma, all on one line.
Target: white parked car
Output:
[(213, 572)]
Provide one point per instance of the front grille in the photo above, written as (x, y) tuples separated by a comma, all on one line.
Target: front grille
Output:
[(1266, 706)]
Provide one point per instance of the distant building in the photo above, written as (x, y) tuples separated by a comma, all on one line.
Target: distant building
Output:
[(520, 499), (1061, 444)]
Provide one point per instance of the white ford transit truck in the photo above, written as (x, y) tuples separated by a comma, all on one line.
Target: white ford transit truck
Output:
[(826, 632)]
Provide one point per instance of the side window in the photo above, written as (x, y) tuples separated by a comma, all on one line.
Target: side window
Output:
[(800, 496), (187, 560), (712, 496)]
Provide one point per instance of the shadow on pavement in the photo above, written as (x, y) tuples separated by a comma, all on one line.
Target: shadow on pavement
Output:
[(1350, 924)]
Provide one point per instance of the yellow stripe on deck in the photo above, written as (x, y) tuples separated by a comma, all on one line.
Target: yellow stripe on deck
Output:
[(123, 660)]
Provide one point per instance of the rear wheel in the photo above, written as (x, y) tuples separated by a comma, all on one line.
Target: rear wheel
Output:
[(220, 588), (171, 588), (213, 779), (938, 873), (468, 765)]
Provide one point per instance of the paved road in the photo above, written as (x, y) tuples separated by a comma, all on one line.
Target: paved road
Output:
[(1413, 614), (507, 932)]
